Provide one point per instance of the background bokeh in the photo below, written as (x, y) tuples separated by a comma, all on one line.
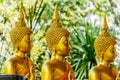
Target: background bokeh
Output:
[(83, 19)]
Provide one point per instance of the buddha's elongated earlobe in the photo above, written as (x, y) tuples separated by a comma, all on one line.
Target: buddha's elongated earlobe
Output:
[(53, 51), (102, 56)]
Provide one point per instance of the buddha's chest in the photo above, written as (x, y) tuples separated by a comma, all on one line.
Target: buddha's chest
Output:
[(107, 75), (58, 72), (22, 67)]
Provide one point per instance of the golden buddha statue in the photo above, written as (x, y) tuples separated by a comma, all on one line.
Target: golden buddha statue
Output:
[(58, 43), (19, 64), (106, 53)]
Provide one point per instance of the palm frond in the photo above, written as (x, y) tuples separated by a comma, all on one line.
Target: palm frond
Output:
[(82, 57)]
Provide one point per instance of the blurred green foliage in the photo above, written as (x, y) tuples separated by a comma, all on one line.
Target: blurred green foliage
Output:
[(82, 57), (83, 19)]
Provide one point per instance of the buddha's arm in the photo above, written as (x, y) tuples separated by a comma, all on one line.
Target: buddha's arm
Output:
[(47, 73), (94, 75), (9, 68)]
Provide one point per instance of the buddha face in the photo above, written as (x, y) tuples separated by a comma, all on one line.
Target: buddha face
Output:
[(110, 54), (25, 44), (63, 47)]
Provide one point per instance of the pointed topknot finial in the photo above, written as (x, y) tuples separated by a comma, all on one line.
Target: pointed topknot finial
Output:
[(105, 26), (21, 12), (56, 14), (56, 23), (21, 22)]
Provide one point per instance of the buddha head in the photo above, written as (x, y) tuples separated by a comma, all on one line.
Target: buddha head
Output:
[(104, 44), (20, 34), (57, 37)]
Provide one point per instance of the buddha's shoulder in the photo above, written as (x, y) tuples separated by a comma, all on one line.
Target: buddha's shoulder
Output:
[(48, 63), (12, 59), (95, 69), (94, 73)]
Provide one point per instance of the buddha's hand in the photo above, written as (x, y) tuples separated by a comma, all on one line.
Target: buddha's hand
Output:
[(27, 75), (32, 73), (30, 76), (71, 75), (32, 70)]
